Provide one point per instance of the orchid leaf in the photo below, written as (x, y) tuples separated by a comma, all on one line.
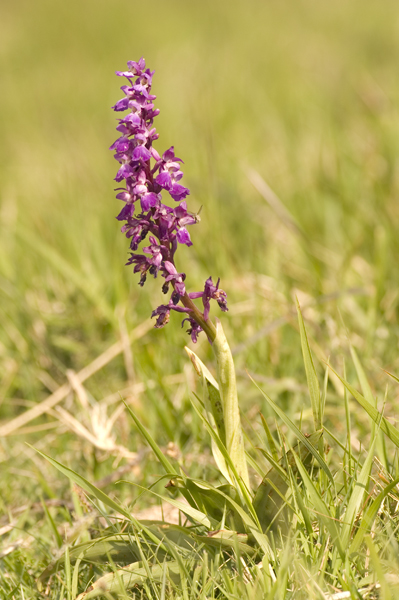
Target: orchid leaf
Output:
[(214, 409)]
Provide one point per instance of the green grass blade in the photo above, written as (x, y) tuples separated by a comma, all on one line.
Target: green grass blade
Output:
[(377, 417), (320, 507), (348, 425), (394, 377), (364, 384), (369, 516), (212, 502), (369, 396), (270, 439), (313, 383), (53, 526), (68, 580), (359, 489), (375, 560), (167, 465), (86, 485), (226, 540)]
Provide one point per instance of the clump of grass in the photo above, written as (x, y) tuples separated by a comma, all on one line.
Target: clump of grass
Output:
[(321, 519)]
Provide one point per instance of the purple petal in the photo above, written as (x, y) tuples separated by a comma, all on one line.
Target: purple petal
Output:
[(164, 180), (155, 154), (133, 119), (169, 155), (148, 201), (125, 196), (181, 210), (121, 104), (170, 267), (183, 237), (178, 192), (124, 172), (120, 145), (141, 152), (126, 212), (127, 74)]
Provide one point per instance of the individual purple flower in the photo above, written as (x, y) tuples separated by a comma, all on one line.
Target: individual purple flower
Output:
[(194, 329), (176, 278), (212, 292), (157, 251), (141, 266), (162, 313)]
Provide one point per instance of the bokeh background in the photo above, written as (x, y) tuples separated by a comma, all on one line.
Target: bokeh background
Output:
[(286, 116)]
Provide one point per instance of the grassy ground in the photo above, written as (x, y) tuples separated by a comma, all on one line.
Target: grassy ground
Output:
[(301, 95)]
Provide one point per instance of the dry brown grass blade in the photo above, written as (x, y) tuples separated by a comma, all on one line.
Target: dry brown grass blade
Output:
[(82, 375)]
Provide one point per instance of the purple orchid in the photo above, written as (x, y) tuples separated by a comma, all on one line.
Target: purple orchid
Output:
[(147, 175)]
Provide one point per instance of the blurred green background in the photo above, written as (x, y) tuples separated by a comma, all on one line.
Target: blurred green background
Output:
[(305, 94)]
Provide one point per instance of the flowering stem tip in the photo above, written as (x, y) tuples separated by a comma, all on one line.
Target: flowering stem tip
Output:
[(147, 177)]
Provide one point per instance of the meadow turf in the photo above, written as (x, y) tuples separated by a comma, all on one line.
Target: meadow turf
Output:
[(286, 115)]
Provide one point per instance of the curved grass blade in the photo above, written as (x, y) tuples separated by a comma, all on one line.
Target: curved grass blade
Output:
[(167, 465), (369, 516), (368, 394), (270, 438), (121, 547), (212, 503), (360, 487), (377, 417), (101, 496), (394, 377), (313, 382), (87, 486)]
